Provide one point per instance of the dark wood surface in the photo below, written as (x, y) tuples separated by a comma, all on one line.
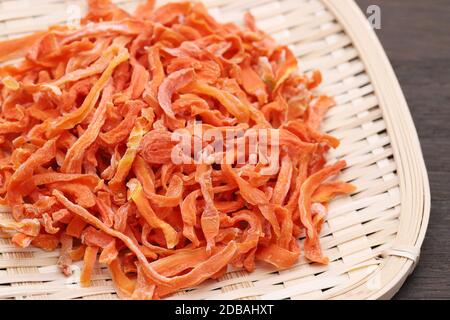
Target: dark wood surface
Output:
[(416, 37)]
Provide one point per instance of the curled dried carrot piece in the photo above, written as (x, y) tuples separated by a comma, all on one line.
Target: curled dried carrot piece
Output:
[(157, 146), (234, 106), (72, 119), (73, 161), (279, 257), (327, 191), (254, 197), (21, 240), (170, 85), (117, 183), (253, 84), (78, 253), (124, 285), (318, 110), (25, 171), (29, 227), (122, 131), (189, 216), (14, 48), (109, 253), (210, 218), (173, 196), (312, 246), (138, 197), (144, 290), (46, 242), (287, 66), (48, 224)]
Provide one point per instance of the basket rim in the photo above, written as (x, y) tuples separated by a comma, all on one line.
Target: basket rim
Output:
[(365, 40)]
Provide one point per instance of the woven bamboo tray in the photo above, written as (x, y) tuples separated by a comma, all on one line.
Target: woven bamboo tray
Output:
[(373, 237)]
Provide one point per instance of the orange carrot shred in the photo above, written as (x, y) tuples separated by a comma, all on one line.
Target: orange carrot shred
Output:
[(312, 247), (90, 257)]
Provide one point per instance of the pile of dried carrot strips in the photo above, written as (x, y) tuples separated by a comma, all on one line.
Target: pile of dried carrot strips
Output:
[(85, 157)]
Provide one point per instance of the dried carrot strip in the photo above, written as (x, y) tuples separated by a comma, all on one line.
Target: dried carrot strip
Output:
[(76, 227), (109, 253), (173, 196), (46, 242), (123, 168), (82, 193), (137, 195), (279, 257), (312, 246), (189, 216), (63, 216), (14, 48), (143, 290), (253, 84), (21, 240), (29, 227), (90, 257), (25, 171), (170, 85), (95, 238), (104, 204), (65, 260), (210, 218), (74, 157), (158, 75), (72, 119), (78, 253), (316, 113), (124, 285), (255, 197), (122, 131), (327, 191), (171, 11), (52, 177), (234, 106), (144, 174), (284, 182), (286, 68)]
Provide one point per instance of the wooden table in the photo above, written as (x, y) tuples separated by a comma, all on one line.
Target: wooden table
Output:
[(416, 37)]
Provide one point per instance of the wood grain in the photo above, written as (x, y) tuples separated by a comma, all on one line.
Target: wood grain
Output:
[(416, 37)]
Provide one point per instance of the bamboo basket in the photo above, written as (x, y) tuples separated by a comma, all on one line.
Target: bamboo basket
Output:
[(372, 237)]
